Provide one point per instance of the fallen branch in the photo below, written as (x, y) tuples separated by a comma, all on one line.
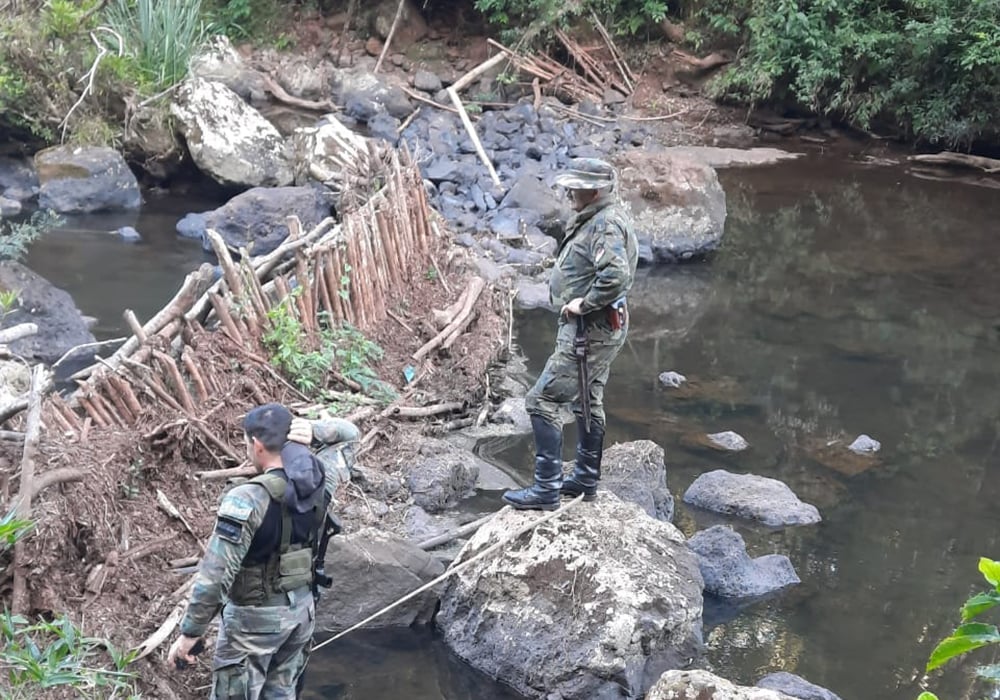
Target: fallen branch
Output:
[(464, 530), (21, 330), (136, 553), (40, 379), (12, 409), (164, 631), (388, 38), (89, 76), (425, 411), (221, 474), (420, 98), (471, 296), (56, 476), (988, 165), (281, 96)]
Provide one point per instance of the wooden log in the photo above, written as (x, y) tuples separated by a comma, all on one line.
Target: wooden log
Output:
[(466, 80), (392, 32), (357, 292), (11, 409), (94, 412), (462, 531), (114, 396), (388, 248), (127, 395), (21, 330), (180, 386), (425, 411), (187, 357), (56, 476), (322, 264), (281, 95), (221, 307), (352, 7), (66, 412), (339, 296), (471, 295), (135, 326), (965, 160), (40, 381), (221, 474), (453, 94)]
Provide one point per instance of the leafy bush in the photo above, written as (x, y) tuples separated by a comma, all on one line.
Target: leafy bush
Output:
[(57, 654), (16, 237), (929, 67), (972, 635), (539, 16), (247, 19)]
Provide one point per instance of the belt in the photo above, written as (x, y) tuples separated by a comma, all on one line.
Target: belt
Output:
[(277, 600)]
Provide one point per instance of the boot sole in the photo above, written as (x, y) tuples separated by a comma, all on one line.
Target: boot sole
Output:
[(531, 506)]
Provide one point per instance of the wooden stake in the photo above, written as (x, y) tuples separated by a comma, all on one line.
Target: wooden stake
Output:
[(453, 94), (187, 357), (392, 32), (127, 395), (221, 307), (334, 272)]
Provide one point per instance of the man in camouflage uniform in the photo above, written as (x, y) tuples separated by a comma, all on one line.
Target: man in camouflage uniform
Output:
[(594, 270), (258, 564)]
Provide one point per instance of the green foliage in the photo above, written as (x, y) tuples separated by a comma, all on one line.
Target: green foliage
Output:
[(160, 35), (309, 362), (57, 654), (16, 237), (66, 18), (249, 19), (931, 67), (13, 529), (524, 20), (969, 635)]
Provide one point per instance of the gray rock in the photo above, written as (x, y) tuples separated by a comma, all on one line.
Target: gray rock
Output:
[(411, 27), (304, 78), (530, 193), (636, 603), (729, 441), (507, 222), (61, 326), (440, 475), (702, 685), (420, 525), (384, 126), (728, 157), (525, 258), (18, 179), (192, 225), (864, 445), (373, 569), (129, 234), (85, 179), (729, 572), (795, 686), (426, 81), (258, 215), (750, 496), (532, 294), (361, 91), (636, 473), (218, 61), (677, 204), (227, 139), (9, 207), (466, 240), (613, 97), (513, 412), (672, 380)]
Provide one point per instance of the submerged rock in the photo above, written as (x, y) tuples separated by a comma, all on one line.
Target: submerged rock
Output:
[(702, 685), (728, 570), (729, 441), (591, 606), (864, 445), (750, 496), (795, 686), (671, 380), (372, 569)]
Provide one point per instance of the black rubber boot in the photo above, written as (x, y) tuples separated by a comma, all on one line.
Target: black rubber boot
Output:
[(544, 493), (589, 449)]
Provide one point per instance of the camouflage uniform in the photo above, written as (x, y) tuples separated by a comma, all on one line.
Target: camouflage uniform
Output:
[(262, 649), (596, 262)]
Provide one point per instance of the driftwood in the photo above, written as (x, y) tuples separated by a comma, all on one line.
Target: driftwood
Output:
[(40, 380), (425, 411), (961, 160), (56, 476), (12, 409), (281, 96), (470, 296), (164, 631), (707, 63), (21, 330), (222, 474), (462, 531)]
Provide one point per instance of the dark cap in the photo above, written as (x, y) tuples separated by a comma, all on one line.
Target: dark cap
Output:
[(269, 424), (587, 174)]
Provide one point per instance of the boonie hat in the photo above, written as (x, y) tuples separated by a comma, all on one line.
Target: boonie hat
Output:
[(587, 174)]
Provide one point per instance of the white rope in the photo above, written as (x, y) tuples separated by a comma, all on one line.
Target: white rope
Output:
[(451, 572)]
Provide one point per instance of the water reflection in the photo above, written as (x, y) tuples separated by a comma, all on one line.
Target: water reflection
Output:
[(844, 301)]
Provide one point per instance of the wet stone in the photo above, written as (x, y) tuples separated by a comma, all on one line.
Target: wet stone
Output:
[(865, 445), (672, 380), (729, 441)]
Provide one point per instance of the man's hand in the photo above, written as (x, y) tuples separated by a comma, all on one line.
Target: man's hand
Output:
[(301, 431), (180, 650), (573, 308)]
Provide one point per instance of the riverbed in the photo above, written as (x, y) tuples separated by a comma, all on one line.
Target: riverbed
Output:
[(847, 299)]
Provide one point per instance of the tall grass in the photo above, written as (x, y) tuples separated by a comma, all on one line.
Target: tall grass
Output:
[(161, 35)]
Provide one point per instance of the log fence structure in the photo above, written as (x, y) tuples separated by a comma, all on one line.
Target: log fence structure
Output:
[(338, 271)]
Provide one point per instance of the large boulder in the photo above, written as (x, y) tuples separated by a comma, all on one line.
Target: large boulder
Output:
[(702, 685), (85, 179), (411, 27), (258, 215), (61, 326), (678, 206), (750, 496), (729, 572), (636, 472), (530, 192), (795, 686), (439, 475), (227, 138), (219, 62), (18, 179), (363, 95), (372, 569), (593, 605)]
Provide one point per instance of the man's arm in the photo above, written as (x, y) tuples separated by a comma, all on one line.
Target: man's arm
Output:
[(613, 275), (240, 514)]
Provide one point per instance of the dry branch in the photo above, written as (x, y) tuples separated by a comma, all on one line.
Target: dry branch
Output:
[(425, 411), (988, 165), (281, 96), (21, 330), (471, 295)]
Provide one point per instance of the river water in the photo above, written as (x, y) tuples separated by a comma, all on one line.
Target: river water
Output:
[(847, 299)]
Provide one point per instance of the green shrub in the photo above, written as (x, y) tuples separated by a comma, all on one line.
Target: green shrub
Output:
[(16, 237), (928, 68), (538, 17), (160, 35)]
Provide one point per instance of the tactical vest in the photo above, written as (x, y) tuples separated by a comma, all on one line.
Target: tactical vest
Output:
[(275, 564)]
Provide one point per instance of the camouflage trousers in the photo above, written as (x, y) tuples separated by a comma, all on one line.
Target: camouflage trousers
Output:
[(558, 384), (263, 650)]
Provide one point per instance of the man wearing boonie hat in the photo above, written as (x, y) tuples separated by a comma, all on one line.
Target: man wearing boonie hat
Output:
[(594, 270)]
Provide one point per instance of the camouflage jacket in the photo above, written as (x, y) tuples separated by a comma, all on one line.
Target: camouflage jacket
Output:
[(597, 259), (240, 513)]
